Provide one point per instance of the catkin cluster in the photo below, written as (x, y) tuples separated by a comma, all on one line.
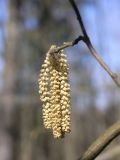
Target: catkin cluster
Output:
[(54, 89)]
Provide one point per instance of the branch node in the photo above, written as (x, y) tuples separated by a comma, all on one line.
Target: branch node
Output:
[(77, 40)]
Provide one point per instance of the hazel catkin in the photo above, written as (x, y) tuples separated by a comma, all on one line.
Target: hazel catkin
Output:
[(54, 90)]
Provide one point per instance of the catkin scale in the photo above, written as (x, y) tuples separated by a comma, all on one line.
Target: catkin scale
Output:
[(54, 90)]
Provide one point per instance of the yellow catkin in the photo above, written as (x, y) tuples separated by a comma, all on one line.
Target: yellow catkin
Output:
[(64, 92), (44, 92), (55, 97), (54, 89)]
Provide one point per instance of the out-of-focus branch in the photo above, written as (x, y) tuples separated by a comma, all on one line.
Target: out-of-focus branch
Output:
[(98, 146), (111, 153), (87, 41)]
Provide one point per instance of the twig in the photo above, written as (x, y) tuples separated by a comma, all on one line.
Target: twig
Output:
[(98, 146), (87, 41), (113, 75), (79, 18), (66, 45)]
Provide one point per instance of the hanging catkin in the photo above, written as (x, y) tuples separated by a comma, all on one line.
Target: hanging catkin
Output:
[(54, 89)]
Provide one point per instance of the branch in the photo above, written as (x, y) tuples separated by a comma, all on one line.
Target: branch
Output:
[(87, 41), (111, 153), (98, 146)]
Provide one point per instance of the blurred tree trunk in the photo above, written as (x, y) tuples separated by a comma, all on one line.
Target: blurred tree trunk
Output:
[(11, 124)]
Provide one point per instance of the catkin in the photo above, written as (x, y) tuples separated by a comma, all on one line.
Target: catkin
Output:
[(54, 89), (44, 92), (64, 92)]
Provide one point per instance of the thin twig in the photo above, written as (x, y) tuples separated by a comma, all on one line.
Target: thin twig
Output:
[(79, 18), (66, 45), (113, 75), (87, 41), (98, 146)]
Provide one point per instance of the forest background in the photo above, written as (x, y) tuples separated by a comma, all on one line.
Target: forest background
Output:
[(27, 30)]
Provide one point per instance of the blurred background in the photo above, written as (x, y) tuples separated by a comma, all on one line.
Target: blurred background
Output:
[(27, 30)]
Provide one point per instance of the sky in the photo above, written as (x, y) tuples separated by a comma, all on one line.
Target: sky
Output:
[(3, 21)]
